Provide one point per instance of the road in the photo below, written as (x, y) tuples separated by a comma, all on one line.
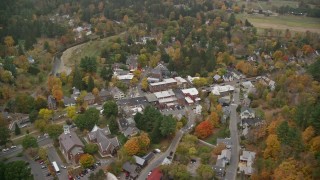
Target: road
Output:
[(53, 156), (231, 171), (159, 159)]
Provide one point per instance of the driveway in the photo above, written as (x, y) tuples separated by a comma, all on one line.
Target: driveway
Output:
[(53, 156), (231, 171), (159, 159)]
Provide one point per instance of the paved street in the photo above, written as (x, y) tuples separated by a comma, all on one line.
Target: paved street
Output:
[(231, 171), (53, 156), (159, 159)]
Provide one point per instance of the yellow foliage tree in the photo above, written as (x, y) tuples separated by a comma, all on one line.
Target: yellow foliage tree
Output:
[(45, 113), (307, 134), (273, 147), (86, 160), (214, 119), (288, 169), (144, 84), (132, 146), (315, 144)]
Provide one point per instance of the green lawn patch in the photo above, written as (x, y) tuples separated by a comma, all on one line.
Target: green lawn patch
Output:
[(222, 132)]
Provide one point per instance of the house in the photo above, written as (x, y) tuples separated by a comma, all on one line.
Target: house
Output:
[(192, 93), (182, 83), (107, 146), (140, 161), (222, 161), (247, 113), (69, 101), (198, 109), (116, 93), (131, 169), (247, 85), (70, 145), (132, 62), (52, 103), (246, 162), (89, 99), (217, 78), (163, 69), (226, 141), (163, 85), (128, 127), (225, 100), (222, 90), (151, 98), (104, 95), (180, 97), (155, 174), (227, 77), (166, 98), (252, 122), (133, 105), (156, 74)]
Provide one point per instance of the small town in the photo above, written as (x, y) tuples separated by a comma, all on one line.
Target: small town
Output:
[(159, 90)]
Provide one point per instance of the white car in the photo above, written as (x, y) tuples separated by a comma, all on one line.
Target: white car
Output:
[(64, 167), (12, 147), (149, 173)]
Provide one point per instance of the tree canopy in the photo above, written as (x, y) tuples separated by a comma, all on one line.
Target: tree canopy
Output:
[(88, 119)]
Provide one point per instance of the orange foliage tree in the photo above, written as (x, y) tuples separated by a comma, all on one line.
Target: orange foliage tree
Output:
[(204, 129), (86, 160), (307, 134), (137, 144), (288, 169), (214, 119)]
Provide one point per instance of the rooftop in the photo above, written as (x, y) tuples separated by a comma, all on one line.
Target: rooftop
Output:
[(191, 91), (164, 81), (164, 94)]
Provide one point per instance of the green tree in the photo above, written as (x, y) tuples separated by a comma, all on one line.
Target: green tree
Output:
[(100, 175), (77, 78), (33, 116), (168, 125), (29, 142), (17, 130), (17, 170), (90, 84), (205, 172), (113, 125), (88, 64), (88, 119), (24, 103), (313, 69), (232, 20), (4, 131), (110, 108), (54, 130), (42, 152), (176, 171), (106, 73), (91, 148)]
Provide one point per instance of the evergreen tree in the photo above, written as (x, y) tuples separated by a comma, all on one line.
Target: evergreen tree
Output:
[(232, 20), (17, 130), (90, 84), (77, 78), (113, 125)]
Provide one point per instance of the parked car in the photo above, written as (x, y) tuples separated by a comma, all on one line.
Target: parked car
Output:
[(171, 153), (12, 147), (149, 173), (157, 151), (49, 174), (42, 167), (62, 166), (37, 158)]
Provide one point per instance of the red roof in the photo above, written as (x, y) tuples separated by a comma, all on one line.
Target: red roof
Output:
[(155, 175)]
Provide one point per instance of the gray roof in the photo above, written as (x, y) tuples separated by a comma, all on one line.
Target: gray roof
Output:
[(151, 97), (226, 141), (69, 140), (130, 131), (115, 90), (68, 101), (179, 94), (149, 156), (252, 121), (140, 161), (92, 134), (133, 101), (131, 168), (247, 108), (104, 143), (103, 93), (88, 97), (216, 77)]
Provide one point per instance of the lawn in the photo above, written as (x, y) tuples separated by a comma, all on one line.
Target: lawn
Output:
[(222, 132), (91, 48), (283, 22), (266, 6)]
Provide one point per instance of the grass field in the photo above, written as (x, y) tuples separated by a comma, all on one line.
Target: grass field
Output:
[(294, 23), (268, 6), (91, 48)]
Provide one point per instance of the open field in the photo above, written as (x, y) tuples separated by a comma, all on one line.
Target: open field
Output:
[(294, 23), (91, 48), (268, 6)]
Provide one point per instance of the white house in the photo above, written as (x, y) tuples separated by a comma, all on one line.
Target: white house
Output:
[(246, 162), (247, 113)]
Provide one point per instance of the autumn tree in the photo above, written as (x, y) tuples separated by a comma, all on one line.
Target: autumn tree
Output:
[(43, 153), (307, 134), (71, 112), (315, 144), (288, 169), (132, 146), (205, 171), (214, 119), (218, 149), (45, 113), (144, 84), (273, 147), (86, 160), (204, 129)]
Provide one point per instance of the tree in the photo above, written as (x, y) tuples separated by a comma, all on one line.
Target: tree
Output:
[(90, 84), (313, 69), (113, 125), (288, 169), (134, 81), (205, 172), (24, 103), (144, 84), (175, 171), (315, 144), (307, 134), (88, 64), (77, 78), (4, 132), (45, 114), (88, 119), (100, 175), (17, 170), (40, 103), (168, 125), (204, 129), (232, 20), (43, 154), (106, 73), (71, 112), (110, 108), (91, 148), (132, 146), (86, 160), (29, 142), (218, 149), (273, 147), (214, 119), (54, 130), (17, 130), (33, 115)]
